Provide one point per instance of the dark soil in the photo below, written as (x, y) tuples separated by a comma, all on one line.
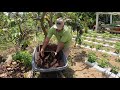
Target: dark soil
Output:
[(50, 60), (15, 70)]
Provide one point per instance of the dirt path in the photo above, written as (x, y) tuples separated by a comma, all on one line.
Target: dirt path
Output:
[(81, 70)]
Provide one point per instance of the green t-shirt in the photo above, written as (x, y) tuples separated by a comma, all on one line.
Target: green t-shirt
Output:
[(64, 36)]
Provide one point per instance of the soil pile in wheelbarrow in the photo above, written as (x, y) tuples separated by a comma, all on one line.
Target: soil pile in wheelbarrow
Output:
[(50, 60)]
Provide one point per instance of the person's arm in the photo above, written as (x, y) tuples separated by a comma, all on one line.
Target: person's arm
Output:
[(61, 43), (60, 47), (46, 41), (63, 40)]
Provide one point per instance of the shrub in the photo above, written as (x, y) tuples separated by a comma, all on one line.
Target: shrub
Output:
[(24, 57)]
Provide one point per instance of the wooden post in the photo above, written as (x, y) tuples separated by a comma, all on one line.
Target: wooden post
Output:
[(110, 18), (97, 17)]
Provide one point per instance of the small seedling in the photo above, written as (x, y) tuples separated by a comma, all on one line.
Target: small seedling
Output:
[(91, 45), (92, 57), (118, 59), (94, 35), (110, 43), (85, 44), (115, 70), (98, 46), (93, 39), (105, 55), (103, 63), (117, 47)]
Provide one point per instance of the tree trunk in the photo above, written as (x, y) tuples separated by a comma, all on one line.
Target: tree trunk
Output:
[(42, 23), (50, 22)]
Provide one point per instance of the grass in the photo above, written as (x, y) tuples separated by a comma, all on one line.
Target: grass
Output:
[(5, 46)]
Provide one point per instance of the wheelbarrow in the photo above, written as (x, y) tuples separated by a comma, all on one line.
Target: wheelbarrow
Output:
[(45, 70)]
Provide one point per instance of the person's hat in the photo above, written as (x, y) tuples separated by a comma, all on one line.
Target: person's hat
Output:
[(59, 24)]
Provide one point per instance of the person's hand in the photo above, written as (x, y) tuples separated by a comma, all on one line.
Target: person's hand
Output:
[(42, 52), (55, 53)]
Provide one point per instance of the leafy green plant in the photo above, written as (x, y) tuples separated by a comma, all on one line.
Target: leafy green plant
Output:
[(87, 35), (84, 34), (108, 49), (117, 47), (110, 36), (91, 45), (92, 57), (104, 36), (93, 39), (103, 42), (117, 59), (110, 43), (94, 35), (103, 63), (23, 56), (115, 69), (79, 39), (98, 46), (85, 43)]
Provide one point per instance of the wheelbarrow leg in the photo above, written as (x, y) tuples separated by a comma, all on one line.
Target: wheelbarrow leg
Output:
[(32, 74), (61, 75)]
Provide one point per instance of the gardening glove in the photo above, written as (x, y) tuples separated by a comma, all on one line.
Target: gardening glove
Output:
[(55, 53)]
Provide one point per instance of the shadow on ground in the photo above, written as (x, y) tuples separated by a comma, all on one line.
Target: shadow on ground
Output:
[(77, 57), (80, 57)]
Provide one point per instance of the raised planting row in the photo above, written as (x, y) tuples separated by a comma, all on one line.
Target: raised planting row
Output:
[(102, 47), (103, 35), (106, 45), (114, 60), (103, 51), (103, 65), (98, 39)]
